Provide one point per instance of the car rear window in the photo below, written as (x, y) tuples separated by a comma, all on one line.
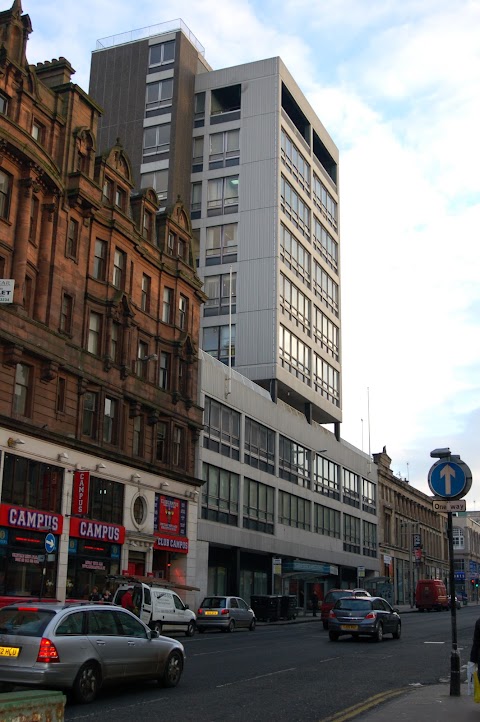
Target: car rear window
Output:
[(354, 604), (333, 596), (214, 602), (26, 622)]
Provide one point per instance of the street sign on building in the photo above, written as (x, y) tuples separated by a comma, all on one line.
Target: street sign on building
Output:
[(447, 505), (6, 290)]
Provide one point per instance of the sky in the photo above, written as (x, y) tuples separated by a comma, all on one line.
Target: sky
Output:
[(397, 86)]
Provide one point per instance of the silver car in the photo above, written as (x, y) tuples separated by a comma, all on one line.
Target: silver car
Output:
[(225, 613), (79, 647)]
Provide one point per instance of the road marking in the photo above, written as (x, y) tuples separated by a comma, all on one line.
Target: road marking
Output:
[(434, 642), (217, 651), (357, 709), (260, 676)]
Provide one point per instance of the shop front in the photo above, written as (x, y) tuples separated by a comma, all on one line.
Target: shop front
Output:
[(94, 552), (26, 568)]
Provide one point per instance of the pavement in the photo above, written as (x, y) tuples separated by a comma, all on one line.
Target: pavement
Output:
[(422, 703)]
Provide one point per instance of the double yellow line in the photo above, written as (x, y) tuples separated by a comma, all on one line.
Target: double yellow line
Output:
[(361, 707)]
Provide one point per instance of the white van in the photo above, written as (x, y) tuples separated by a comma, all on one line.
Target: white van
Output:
[(162, 609)]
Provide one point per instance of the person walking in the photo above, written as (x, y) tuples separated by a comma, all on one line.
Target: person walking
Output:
[(314, 603), (107, 596), (95, 595), (127, 600)]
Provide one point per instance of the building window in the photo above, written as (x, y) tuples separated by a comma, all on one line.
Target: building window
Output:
[(325, 288), (219, 344), (138, 435), (22, 395), (148, 225), (369, 496), (259, 446), (158, 180), (294, 462), (162, 54), (178, 447), (99, 260), (66, 313), (3, 104), (294, 355), (222, 295), (351, 488), (325, 244), (5, 191), (221, 245), (196, 200), (220, 495), (182, 312), (326, 521), (106, 500), (182, 249), (167, 305), (159, 94), (71, 246), (293, 511), (224, 149), (161, 450), (34, 211), (90, 414), (351, 534), (38, 131), (119, 266), (142, 353), (33, 484), (326, 333), (326, 380), (258, 506), (326, 475), (324, 202), (61, 394), (171, 244), (94, 333), (146, 293), (295, 305), (197, 154), (108, 190), (115, 336), (221, 429), (199, 110), (294, 208), (295, 256), (164, 371), (369, 539), (110, 421), (120, 199), (222, 195), (226, 100), (295, 162), (156, 139)]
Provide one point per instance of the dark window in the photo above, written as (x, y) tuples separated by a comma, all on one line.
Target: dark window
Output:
[(111, 420), (31, 483), (222, 429), (220, 495), (22, 396), (90, 414), (106, 500), (66, 313), (161, 452), (5, 191), (71, 249), (99, 260), (34, 211)]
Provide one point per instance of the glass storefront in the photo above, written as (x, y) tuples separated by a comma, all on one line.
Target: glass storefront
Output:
[(25, 567)]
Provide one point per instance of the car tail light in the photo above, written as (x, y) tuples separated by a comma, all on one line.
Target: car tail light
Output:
[(331, 613), (27, 609), (225, 611), (371, 615), (199, 610), (47, 652)]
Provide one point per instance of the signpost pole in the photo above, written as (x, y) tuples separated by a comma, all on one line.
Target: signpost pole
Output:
[(455, 656)]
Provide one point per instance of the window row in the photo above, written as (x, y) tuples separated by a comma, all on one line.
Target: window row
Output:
[(222, 294), (222, 196), (294, 208), (219, 342), (223, 150)]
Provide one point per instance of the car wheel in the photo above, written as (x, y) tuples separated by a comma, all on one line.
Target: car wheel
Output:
[(157, 627), (379, 633), (87, 683), (333, 636), (173, 670), (398, 631), (325, 625), (253, 624), (190, 629), (231, 625)]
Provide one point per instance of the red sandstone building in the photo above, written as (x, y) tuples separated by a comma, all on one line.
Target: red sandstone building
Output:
[(98, 346)]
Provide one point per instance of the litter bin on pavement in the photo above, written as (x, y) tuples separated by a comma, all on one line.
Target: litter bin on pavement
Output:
[(288, 606), (266, 607)]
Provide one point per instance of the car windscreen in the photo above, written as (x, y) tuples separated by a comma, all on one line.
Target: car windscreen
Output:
[(354, 604), (214, 602), (27, 622)]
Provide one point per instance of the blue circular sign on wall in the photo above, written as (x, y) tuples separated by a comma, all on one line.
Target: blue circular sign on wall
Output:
[(50, 543), (450, 479)]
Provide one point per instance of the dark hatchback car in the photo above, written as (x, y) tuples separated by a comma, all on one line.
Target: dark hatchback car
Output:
[(363, 616)]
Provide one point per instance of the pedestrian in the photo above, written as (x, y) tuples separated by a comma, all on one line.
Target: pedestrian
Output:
[(314, 603), (127, 600), (95, 595), (107, 595)]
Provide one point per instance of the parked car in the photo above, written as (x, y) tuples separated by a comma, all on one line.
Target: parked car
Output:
[(78, 648), (332, 596), (162, 609), (225, 613), (359, 616)]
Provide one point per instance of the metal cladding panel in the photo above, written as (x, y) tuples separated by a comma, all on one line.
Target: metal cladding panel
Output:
[(259, 138), (256, 284), (255, 339), (237, 74), (260, 96), (258, 186), (258, 235)]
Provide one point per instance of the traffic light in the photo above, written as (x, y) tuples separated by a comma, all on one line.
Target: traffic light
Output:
[(476, 583), (472, 582)]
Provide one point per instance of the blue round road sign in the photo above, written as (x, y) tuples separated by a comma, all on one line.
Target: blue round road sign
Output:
[(450, 479), (50, 543)]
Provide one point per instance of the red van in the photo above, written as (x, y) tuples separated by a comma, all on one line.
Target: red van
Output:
[(431, 594)]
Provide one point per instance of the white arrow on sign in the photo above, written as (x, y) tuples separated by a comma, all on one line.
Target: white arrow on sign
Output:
[(448, 473)]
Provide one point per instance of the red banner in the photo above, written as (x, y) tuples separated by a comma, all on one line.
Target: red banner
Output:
[(81, 487), (99, 530), (177, 544), (32, 519)]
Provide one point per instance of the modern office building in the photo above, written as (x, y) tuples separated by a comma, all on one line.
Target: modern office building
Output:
[(264, 203)]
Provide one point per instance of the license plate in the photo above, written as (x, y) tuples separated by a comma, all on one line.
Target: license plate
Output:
[(349, 627), (211, 614), (9, 651)]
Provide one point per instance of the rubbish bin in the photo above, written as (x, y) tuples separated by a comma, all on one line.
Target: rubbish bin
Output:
[(266, 607), (288, 606)]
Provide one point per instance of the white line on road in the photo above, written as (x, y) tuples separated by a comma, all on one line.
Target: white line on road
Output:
[(270, 674), (217, 651), (434, 642)]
